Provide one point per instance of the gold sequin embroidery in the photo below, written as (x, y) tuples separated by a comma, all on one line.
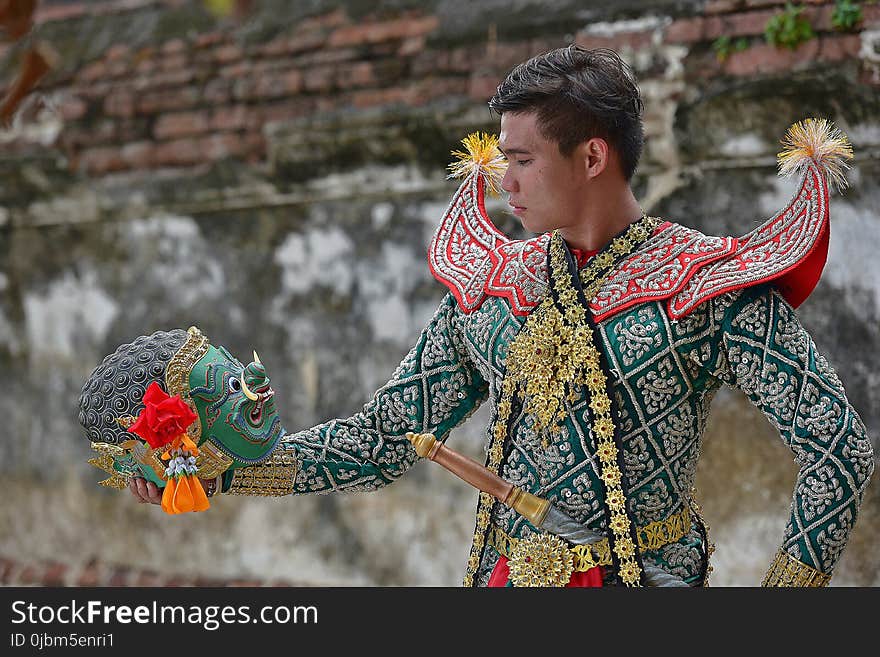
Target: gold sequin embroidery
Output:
[(788, 571)]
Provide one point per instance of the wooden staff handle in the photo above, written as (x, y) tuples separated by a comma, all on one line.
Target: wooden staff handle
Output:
[(480, 477)]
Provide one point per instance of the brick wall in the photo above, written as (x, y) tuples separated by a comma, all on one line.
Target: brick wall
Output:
[(208, 96)]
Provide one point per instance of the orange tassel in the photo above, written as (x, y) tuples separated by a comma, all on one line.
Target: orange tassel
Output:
[(168, 495), (181, 441), (183, 500), (183, 494), (200, 500), (189, 445)]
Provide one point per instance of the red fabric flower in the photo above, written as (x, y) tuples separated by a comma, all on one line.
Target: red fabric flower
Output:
[(163, 419)]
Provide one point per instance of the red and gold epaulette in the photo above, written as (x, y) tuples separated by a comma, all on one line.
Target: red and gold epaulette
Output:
[(676, 264)]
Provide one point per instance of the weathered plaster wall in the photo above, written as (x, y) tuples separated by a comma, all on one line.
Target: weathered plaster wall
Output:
[(277, 182)]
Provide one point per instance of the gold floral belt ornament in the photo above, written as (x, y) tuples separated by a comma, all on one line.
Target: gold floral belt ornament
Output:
[(546, 560)]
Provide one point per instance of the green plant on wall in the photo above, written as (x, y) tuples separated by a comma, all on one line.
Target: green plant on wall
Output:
[(846, 15), (724, 45), (788, 28)]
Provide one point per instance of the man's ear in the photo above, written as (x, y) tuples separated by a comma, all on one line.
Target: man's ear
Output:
[(594, 153)]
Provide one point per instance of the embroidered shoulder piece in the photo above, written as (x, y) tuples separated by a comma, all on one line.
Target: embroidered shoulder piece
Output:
[(679, 265), (660, 268), (687, 268), (789, 249), (459, 253), (518, 272)]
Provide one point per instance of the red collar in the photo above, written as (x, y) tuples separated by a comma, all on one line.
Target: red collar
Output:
[(581, 256)]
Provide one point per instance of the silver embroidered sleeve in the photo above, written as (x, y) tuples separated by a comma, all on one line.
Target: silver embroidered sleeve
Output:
[(772, 358), (434, 389)]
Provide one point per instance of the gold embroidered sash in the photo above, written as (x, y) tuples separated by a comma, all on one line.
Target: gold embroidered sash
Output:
[(550, 358)]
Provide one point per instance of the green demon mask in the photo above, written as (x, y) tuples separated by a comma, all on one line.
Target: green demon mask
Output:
[(236, 422)]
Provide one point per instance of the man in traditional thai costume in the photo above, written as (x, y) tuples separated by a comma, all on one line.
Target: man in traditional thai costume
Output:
[(600, 344)]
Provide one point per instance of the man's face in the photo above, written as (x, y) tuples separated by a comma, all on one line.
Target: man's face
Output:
[(546, 189)]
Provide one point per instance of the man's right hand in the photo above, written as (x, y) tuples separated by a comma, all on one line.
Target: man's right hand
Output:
[(145, 491)]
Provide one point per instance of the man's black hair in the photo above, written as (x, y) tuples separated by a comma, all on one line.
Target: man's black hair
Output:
[(578, 94)]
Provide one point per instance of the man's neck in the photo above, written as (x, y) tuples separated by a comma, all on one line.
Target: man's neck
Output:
[(602, 220)]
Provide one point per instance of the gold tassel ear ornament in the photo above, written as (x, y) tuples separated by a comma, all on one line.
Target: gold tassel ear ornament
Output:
[(104, 461), (820, 141), (482, 158)]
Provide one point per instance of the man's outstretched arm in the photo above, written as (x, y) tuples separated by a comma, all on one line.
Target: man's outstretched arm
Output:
[(773, 359), (433, 389)]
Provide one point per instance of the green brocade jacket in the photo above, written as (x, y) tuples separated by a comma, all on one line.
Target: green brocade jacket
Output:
[(664, 371)]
